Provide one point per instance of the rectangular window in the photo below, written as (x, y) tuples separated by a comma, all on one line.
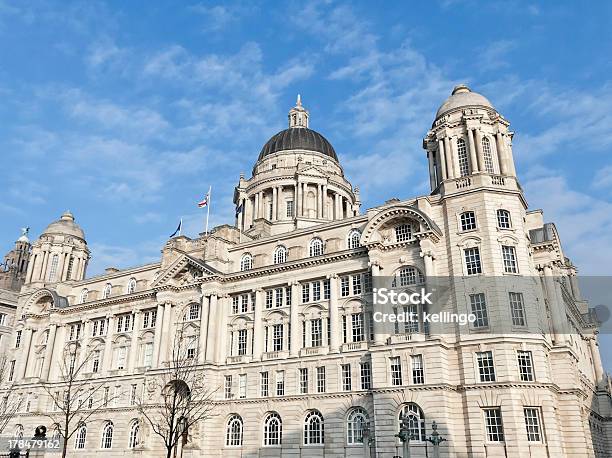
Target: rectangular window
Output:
[(2, 319), (289, 209), (11, 373), (326, 289), (346, 377), (278, 297), (494, 424), (228, 387), (366, 376), (269, 298), (316, 334), (147, 360), (149, 318), (486, 368), (472, 261), (345, 286), (235, 304), (305, 293), (321, 379), (133, 389), (242, 386), (509, 257), (316, 291), (121, 354), (242, 342), (479, 310), (95, 361), (303, 380), (277, 337), (357, 289), (280, 383), (288, 296), (532, 424), (396, 370), (503, 219), (517, 309), (525, 364), (357, 325), (367, 282), (270, 210), (468, 221), (18, 338), (264, 384), (418, 373)]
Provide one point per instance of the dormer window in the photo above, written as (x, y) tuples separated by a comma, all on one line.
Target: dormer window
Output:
[(246, 262), (107, 291), (316, 247), (403, 233), (131, 286), (280, 255), (84, 295)]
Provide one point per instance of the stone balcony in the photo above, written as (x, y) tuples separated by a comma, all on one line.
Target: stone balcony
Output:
[(478, 180)]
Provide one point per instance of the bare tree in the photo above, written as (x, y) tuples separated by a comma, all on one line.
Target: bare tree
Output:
[(186, 395), (11, 401), (77, 396)]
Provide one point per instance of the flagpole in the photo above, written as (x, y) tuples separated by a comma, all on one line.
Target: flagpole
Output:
[(208, 209)]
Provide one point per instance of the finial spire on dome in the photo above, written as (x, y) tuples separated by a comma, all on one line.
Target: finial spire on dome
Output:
[(298, 115)]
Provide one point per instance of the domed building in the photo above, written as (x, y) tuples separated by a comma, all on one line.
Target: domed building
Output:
[(286, 317)]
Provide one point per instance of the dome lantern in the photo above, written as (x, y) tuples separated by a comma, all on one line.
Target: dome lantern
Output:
[(298, 115)]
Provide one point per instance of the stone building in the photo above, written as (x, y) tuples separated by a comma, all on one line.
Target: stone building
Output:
[(283, 321)]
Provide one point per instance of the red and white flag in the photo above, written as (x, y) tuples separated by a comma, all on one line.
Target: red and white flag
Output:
[(204, 202)]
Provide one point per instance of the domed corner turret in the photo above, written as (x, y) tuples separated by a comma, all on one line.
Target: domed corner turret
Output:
[(60, 253), (469, 145)]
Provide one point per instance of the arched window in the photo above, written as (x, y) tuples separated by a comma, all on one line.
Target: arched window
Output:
[(246, 262), (416, 420), (18, 432), (53, 270), (273, 429), (403, 233), (353, 239), (315, 247), (84, 295), (280, 254), (503, 219), (81, 435), (313, 428), (464, 165), (108, 288), (356, 421), (486, 152), (134, 434), (131, 286), (107, 435), (233, 434), (408, 276)]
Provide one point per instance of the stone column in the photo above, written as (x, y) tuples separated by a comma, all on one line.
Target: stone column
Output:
[(319, 201), (43, 272), (472, 147), (203, 328), (304, 198), (134, 342), (279, 203), (49, 352), (157, 338), (274, 203), (212, 322), (596, 356), (501, 154), (84, 341), (429, 272), (258, 325), (334, 314), (297, 201), (256, 208), (295, 319), (556, 311), (455, 156), (479, 153), (337, 206), (108, 344), (167, 338), (450, 172), (432, 172), (222, 312), (26, 343), (379, 326), (442, 157), (325, 215)]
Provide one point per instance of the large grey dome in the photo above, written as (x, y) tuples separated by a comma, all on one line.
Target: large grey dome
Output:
[(461, 97), (298, 138), (66, 226)]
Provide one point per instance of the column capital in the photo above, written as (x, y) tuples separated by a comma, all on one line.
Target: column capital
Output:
[(332, 276), (293, 283), (375, 262)]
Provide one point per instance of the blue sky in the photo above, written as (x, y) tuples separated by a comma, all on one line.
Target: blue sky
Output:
[(126, 113)]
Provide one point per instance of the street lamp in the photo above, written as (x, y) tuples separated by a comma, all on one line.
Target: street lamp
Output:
[(435, 439), (404, 435)]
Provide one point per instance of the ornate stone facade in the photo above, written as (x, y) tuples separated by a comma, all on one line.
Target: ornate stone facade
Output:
[(281, 312)]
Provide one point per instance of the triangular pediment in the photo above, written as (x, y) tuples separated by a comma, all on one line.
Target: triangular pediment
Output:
[(313, 171), (186, 270)]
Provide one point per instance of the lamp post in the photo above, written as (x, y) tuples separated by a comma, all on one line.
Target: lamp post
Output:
[(404, 435), (435, 439)]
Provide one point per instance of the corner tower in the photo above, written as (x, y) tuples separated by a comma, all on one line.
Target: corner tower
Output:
[(60, 253), (296, 182)]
